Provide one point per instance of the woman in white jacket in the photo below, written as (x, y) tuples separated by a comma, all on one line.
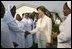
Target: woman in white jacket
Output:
[(43, 28), (64, 38)]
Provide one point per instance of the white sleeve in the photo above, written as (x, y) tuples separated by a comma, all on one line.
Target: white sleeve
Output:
[(14, 27), (11, 22), (65, 35), (6, 41), (34, 31)]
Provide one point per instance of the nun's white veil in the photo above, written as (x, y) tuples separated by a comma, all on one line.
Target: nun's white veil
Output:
[(69, 4), (8, 16)]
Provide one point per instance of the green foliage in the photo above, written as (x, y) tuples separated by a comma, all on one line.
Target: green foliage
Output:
[(55, 27)]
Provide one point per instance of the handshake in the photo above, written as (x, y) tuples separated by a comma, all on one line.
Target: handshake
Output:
[(27, 33)]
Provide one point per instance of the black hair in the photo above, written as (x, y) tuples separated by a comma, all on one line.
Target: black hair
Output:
[(33, 15), (13, 11), (23, 14), (2, 10)]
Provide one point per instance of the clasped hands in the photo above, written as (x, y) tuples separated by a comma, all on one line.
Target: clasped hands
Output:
[(27, 33)]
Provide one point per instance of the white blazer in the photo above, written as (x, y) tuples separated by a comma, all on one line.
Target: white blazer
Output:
[(43, 29)]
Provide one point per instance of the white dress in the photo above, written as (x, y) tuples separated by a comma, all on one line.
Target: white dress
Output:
[(21, 26), (27, 27), (6, 41), (65, 34), (13, 27), (16, 32)]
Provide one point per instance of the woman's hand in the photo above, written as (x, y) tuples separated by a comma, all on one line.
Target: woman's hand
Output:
[(26, 33), (48, 45)]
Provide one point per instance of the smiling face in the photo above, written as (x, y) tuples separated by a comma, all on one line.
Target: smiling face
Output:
[(18, 17), (40, 13)]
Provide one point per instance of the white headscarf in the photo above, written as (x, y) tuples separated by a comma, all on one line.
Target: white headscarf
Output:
[(8, 16), (9, 7), (69, 4)]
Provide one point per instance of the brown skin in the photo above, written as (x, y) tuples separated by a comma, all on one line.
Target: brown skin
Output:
[(23, 15), (26, 33), (13, 11), (48, 45), (66, 10), (18, 17)]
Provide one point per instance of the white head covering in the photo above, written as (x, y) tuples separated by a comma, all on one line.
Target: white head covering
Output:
[(69, 4), (10, 6), (8, 16)]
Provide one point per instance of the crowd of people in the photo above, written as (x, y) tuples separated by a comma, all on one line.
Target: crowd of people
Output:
[(35, 27)]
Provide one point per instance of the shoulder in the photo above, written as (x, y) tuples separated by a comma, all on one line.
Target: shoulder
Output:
[(4, 26), (47, 18), (39, 19)]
